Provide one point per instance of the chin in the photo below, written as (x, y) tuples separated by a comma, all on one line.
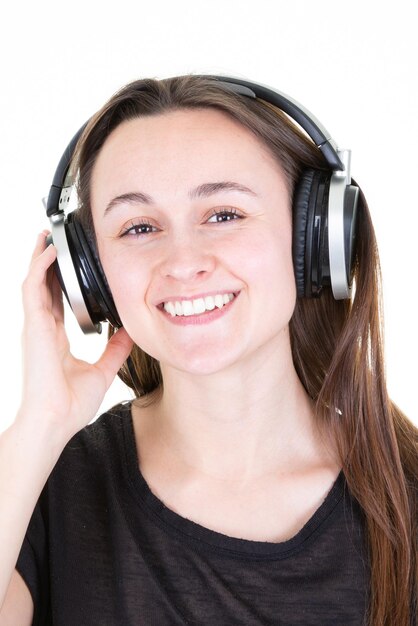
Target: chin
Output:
[(202, 364)]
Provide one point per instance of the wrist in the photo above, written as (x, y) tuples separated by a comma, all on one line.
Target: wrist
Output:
[(39, 432)]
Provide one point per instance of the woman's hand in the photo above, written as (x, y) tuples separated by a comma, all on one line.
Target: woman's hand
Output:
[(60, 393)]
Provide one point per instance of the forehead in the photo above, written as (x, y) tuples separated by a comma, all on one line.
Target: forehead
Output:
[(179, 146)]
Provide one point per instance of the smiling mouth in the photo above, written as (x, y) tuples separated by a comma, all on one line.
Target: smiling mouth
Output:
[(199, 306)]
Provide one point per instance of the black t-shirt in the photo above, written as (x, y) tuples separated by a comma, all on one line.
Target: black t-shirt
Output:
[(102, 549)]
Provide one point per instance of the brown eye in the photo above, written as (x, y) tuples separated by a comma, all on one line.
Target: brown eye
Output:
[(225, 215), (138, 229)]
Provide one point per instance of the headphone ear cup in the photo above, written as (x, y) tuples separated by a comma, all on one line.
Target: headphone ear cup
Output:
[(94, 286), (310, 233)]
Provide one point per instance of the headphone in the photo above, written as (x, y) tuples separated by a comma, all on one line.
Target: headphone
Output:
[(324, 221)]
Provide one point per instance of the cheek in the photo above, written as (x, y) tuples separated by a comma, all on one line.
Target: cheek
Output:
[(272, 276), (125, 281), (270, 255)]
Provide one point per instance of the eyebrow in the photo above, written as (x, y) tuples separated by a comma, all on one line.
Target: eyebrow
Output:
[(202, 191)]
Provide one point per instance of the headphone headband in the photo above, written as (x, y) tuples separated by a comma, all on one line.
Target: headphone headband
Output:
[(53, 201), (316, 131)]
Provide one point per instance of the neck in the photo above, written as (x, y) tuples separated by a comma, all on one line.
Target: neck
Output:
[(240, 423)]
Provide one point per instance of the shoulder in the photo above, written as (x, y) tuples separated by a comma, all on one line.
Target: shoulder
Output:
[(109, 420), (99, 440)]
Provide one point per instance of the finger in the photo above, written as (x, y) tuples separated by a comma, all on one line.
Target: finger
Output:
[(34, 285), (40, 262), (40, 244), (57, 306), (116, 352)]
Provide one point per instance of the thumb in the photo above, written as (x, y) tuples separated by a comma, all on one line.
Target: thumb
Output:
[(116, 352)]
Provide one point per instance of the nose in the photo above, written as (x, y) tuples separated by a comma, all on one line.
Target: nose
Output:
[(186, 258)]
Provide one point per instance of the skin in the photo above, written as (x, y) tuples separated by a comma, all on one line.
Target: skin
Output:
[(234, 414)]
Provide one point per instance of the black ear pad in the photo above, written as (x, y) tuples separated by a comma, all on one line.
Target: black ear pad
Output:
[(310, 233), (94, 286), (351, 200)]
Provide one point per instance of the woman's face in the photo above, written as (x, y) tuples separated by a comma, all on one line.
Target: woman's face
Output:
[(160, 240)]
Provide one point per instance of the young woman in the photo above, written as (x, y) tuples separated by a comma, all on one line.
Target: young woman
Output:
[(261, 475)]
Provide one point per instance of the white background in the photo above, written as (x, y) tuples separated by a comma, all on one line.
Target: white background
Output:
[(353, 67)]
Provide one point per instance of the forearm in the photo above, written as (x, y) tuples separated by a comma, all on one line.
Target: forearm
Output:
[(27, 457)]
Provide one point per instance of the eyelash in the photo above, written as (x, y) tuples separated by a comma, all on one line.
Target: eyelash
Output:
[(127, 231)]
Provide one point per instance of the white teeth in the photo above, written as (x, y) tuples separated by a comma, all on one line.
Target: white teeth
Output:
[(169, 307), (219, 301), (200, 305), (209, 303), (187, 307)]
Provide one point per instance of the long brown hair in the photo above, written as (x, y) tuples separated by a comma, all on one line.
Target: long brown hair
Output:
[(337, 346)]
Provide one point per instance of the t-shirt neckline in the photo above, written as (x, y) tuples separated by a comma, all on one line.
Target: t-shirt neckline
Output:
[(200, 536)]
